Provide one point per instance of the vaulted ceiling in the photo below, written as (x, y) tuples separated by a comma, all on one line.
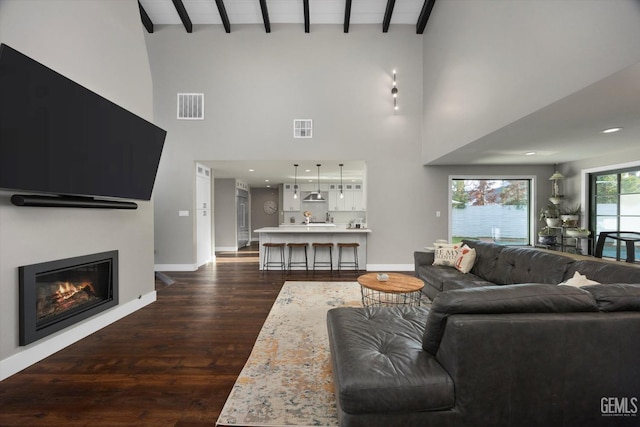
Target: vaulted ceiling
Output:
[(273, 12)]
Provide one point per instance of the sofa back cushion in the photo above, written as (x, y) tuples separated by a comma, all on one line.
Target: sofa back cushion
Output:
[(616, 297), (486, 257), (523, 298), (526, 265), (604, 272)]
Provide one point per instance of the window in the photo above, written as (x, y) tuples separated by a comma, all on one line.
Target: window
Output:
[(497, 210), (615, 206)]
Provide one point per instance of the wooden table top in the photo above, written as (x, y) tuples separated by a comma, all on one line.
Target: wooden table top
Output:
[(398, 283)]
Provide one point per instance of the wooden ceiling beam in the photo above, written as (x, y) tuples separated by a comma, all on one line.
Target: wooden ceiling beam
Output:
[(184, 16), (347, 15), (223, 15), (265, 15), (427, 7), (387, 15), (146, 21), (306, 15)]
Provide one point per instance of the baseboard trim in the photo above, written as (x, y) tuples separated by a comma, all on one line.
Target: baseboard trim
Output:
[(54, 343), (390, 267), (226, 248), (175, 267)]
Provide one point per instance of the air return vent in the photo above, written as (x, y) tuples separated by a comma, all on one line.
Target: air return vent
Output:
[(302, 128), (191, 106)]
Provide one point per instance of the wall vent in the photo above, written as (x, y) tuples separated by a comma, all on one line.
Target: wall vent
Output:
[(302, 128), (191, 106)]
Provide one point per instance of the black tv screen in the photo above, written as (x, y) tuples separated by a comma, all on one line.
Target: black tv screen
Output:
[(58, 137)]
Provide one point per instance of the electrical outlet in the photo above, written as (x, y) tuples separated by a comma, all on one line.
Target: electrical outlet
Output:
[(437, 214), (183, 213)]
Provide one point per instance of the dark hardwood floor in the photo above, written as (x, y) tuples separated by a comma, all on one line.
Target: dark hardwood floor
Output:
[(172, 363)]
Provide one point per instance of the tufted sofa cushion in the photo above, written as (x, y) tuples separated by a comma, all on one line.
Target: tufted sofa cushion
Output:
[(378, 362), (523, 298), (604, 272), (616, 297), (526, 265)]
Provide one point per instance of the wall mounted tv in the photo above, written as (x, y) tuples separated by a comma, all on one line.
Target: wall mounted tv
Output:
[(59, 138)]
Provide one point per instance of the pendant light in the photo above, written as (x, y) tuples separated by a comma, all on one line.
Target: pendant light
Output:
[(295, 182), (341, 186), (315, 196)]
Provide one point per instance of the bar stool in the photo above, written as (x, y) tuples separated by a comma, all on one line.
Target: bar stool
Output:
[(267, 256), (293, 246), (323, 263), (353, 263)]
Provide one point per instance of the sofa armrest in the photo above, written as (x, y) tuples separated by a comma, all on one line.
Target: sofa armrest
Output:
[(423, 258)]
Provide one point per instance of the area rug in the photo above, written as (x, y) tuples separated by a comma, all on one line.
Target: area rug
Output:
[(287, 380)]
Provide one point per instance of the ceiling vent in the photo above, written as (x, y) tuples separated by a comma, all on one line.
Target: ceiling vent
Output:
[(302, 128), (191, 106)]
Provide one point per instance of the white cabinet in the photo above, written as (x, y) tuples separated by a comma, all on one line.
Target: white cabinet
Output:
[(289, 202), (352, 200), (336, 203)]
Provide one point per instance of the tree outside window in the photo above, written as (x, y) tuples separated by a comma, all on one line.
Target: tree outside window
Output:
[(497, 210)]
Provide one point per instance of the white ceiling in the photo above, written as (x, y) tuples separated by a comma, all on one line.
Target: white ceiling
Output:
[(284, 11), (567, 130)]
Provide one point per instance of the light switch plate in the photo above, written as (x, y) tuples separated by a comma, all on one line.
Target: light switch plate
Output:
[(183, 213)]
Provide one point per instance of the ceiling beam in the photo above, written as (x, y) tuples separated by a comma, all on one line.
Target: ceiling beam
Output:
[(184, 16), (223, 16), (265, 15), (427, 7), (146, 21), (347, 15), (387, 15), (306, 15)]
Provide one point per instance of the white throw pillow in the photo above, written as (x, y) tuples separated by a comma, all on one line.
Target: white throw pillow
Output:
[(465, 259), (579, 280), (446, 255)]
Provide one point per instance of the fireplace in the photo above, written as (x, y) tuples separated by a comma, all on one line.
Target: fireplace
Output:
[(56, 294)]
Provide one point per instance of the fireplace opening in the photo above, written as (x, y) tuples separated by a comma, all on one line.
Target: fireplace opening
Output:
[(56, 294)]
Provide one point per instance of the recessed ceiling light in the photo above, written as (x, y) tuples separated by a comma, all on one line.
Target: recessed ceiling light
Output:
[(251, 170), (266, 180), (611, 130), (530, 153)]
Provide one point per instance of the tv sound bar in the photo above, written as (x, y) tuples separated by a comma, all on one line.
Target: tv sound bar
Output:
[(69, 202)]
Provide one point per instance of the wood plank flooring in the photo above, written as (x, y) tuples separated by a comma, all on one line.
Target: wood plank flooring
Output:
[(172, 363)]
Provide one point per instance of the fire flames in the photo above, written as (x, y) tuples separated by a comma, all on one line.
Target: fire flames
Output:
[(63, 296), (67, 290)]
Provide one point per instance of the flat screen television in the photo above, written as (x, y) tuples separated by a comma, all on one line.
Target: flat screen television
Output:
[(59, 138)]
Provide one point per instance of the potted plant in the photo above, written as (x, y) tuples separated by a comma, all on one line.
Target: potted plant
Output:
[(547, 236), (578, 232), (551, 215), (570, 216)]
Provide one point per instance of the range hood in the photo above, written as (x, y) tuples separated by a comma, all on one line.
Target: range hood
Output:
[(314, 196)]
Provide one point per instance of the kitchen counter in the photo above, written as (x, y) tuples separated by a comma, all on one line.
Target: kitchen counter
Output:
[(315, 233)]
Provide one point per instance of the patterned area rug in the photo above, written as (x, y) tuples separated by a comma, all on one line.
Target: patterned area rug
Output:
[(287, 380)]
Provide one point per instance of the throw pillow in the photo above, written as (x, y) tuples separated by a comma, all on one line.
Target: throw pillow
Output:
[(465, 259), (579, 280), (446, 255)]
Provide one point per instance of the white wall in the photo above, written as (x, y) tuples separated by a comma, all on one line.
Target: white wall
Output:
[(100, 45), (489, 63), (255, 84)]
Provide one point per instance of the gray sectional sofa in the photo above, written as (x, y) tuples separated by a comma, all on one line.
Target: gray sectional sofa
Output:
[(504, 265), (513, 354)]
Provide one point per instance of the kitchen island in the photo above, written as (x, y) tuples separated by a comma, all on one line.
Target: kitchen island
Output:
[(315, 233)]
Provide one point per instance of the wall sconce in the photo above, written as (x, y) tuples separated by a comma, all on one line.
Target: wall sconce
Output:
[(341, 186), (394, 92), (556, 193), (295, 183)]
